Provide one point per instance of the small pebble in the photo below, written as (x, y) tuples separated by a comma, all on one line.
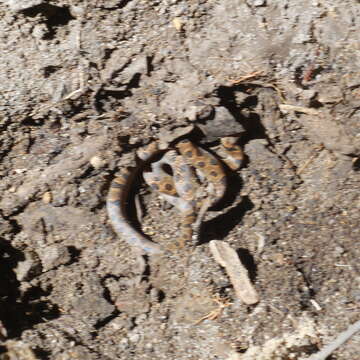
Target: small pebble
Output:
[(256, 2), (47, 197), (178, 24), (134, 338), (77, 11), (259, 2), (97, 162), (338, 250)]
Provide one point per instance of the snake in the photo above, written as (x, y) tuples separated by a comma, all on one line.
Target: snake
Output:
[(191, 166)]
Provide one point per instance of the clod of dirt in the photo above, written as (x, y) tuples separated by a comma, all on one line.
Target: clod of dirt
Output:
[(92, 305), (54, 255), (222, 124), (26, 269), (125, 301), (168, 136), (121, 68)]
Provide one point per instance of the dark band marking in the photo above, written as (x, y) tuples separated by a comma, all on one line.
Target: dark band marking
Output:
[(155, 186), (117, 185), (114, 202)]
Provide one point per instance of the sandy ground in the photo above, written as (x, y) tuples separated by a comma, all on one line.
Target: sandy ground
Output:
[(84, 84)]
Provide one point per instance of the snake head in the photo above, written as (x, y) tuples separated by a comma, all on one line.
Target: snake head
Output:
[(186, 148)]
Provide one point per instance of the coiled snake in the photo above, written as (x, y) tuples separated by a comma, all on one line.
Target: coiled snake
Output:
[(190, 165)]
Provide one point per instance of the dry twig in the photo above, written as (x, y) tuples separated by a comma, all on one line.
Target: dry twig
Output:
[(228, 258), (214, 314), (341, 339)]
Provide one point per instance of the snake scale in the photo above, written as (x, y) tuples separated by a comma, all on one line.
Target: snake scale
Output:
[(190, 166)]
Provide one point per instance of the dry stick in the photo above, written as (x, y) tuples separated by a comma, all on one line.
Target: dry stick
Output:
[(341, 339), (247, 77), (308, 161), (300, 109), (239, 277)]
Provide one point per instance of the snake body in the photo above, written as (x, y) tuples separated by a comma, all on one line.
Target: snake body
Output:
[(116, 204), (179, 188)]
